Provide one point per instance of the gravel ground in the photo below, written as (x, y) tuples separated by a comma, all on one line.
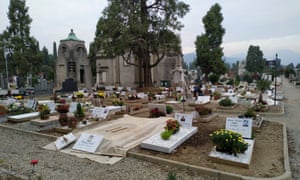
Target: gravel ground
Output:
[(18, 149)]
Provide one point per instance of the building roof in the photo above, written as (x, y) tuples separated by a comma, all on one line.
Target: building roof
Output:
[(71, 37)]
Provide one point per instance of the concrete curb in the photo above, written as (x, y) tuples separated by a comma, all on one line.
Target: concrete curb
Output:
[(266, 114), (287, 175), (31, 132)]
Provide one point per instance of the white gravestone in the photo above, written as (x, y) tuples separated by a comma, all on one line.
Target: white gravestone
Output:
[(73, 107), (100, 112), (156, 143), (185, 120), (64, 141), (88, 143), (51, 106), (240, 125)]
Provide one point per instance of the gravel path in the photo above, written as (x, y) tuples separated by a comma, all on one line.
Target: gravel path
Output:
[(17, 149)]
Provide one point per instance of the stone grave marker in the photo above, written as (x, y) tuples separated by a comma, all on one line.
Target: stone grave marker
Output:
[(185, 120), (64, 141), (88, 142), (73, 107), (240, 125), (51, 106), (31, 103), (100, 112)]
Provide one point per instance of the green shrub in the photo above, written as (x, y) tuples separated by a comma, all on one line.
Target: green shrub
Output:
[(169, 109), (250, 113), (172, 176), (226, 102)]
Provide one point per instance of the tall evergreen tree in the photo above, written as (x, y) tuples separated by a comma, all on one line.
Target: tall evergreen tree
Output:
[(54, 50), (208, 46), (24, 55), (140, 29), (255, 62)]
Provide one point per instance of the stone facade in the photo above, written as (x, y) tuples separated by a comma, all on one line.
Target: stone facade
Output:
[(115, 71), (72, 63)]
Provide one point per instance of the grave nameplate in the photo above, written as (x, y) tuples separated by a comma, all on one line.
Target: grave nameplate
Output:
[(30, 104), (65, 140), (240, 125), (51, 106), (88, 142), (185, 120)]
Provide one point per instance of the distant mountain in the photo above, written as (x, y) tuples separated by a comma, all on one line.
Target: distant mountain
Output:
[(189, 57)]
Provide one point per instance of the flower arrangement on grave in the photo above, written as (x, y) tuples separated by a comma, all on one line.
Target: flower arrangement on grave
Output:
[(250, 113), (44, 111), (260, 107), (155, 112), (172, 127), (202, 110), (226, 102), (19, 97), (216, 95), (117, 102), (99, 94), (229, 142), (62, 108), (16, 109), (79, 94), (3, 110), (79, 113), (133, 97)]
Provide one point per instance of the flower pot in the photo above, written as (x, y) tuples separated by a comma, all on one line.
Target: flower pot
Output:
[(72, 123), (63, 119)]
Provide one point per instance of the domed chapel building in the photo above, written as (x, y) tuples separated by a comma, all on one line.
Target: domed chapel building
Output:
[(73, 68)]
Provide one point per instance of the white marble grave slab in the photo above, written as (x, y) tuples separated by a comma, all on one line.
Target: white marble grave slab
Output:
[(203, 99), (64, 141), (242, 159), (23, 117), (88, 142), (156, 143), (240, 125)]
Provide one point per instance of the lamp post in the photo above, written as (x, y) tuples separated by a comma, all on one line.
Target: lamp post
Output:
[(5, 57), (275, 73)]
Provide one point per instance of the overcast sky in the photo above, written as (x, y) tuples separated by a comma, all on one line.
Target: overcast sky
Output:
[(271, 24)]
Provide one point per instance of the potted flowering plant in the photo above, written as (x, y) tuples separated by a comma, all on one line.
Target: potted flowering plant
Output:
[(229, 142), (172, 127), (155, 112), (44, 111), (202, 110)]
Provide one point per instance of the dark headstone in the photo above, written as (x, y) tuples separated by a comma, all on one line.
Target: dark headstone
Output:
[(69, 85)]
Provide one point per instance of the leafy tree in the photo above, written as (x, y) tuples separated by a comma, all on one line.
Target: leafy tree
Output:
[(255, 62), (288, 70), (48, 67), (24, 55), (213, 78), (140, 29), (208, 45)]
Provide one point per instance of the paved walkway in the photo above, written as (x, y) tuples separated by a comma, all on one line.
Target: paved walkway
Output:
[(292, 120)]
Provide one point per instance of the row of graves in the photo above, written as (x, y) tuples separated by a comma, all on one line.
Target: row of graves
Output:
[(105, 125)]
